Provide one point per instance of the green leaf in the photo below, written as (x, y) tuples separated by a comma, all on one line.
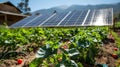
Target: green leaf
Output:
[(45, 52), (67, 63), (72, 52), (36, 62)]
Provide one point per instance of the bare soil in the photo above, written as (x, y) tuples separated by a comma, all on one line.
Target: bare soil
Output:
[(12, 62), (105, 55)]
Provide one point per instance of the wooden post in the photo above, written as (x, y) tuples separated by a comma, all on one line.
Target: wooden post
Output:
[(5, 18), (114, 23)]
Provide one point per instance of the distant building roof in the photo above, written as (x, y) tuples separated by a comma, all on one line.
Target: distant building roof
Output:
[(9, 13), (9, 3)]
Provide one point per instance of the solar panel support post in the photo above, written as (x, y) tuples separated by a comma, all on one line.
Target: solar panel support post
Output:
[(113, 21), (5, 16)]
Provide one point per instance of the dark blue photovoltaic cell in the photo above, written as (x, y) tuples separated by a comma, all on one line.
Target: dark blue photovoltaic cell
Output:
[(81, 18), (50, 21), (108, 16), (67, 18), (55, 20), (88, 20), (38, 20), (24, 21), (73, 18)]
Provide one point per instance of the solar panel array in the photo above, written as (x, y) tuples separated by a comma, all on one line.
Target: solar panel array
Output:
[(101, 17)]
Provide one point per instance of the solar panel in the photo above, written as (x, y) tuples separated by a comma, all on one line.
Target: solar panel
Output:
[(74, 18), (24, 21), (81, 18), (66, 20), (89, 18), (102, 17), (50, 21), (99, 17), (38, 20), (55, 20)]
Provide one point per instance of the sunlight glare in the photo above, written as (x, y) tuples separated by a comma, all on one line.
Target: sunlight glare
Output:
[(100, 20)]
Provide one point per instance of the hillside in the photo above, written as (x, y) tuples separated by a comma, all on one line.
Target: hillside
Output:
[(115, 7)]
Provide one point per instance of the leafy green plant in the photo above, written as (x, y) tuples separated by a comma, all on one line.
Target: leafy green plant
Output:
[(83, 44)]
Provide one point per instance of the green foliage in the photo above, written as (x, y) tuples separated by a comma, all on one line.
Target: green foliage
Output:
[(83, 44), (11, 39), (46, 51), (117, 24), (117, 39), (35, 62)]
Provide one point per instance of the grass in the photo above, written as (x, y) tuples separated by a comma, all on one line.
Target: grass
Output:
[(117, 38)]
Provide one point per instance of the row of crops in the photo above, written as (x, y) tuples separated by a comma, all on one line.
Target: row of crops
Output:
[(58, 47)]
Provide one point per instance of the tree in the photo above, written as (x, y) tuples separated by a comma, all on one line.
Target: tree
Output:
[(23, 6)]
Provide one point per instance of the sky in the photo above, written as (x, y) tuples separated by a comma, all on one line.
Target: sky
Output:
[(45, 4)]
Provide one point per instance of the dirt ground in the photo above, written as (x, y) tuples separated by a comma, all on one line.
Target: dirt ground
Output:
[(104, 56), (12, 62)]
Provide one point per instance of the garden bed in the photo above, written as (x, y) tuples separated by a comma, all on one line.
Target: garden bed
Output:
[(56, 47)]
